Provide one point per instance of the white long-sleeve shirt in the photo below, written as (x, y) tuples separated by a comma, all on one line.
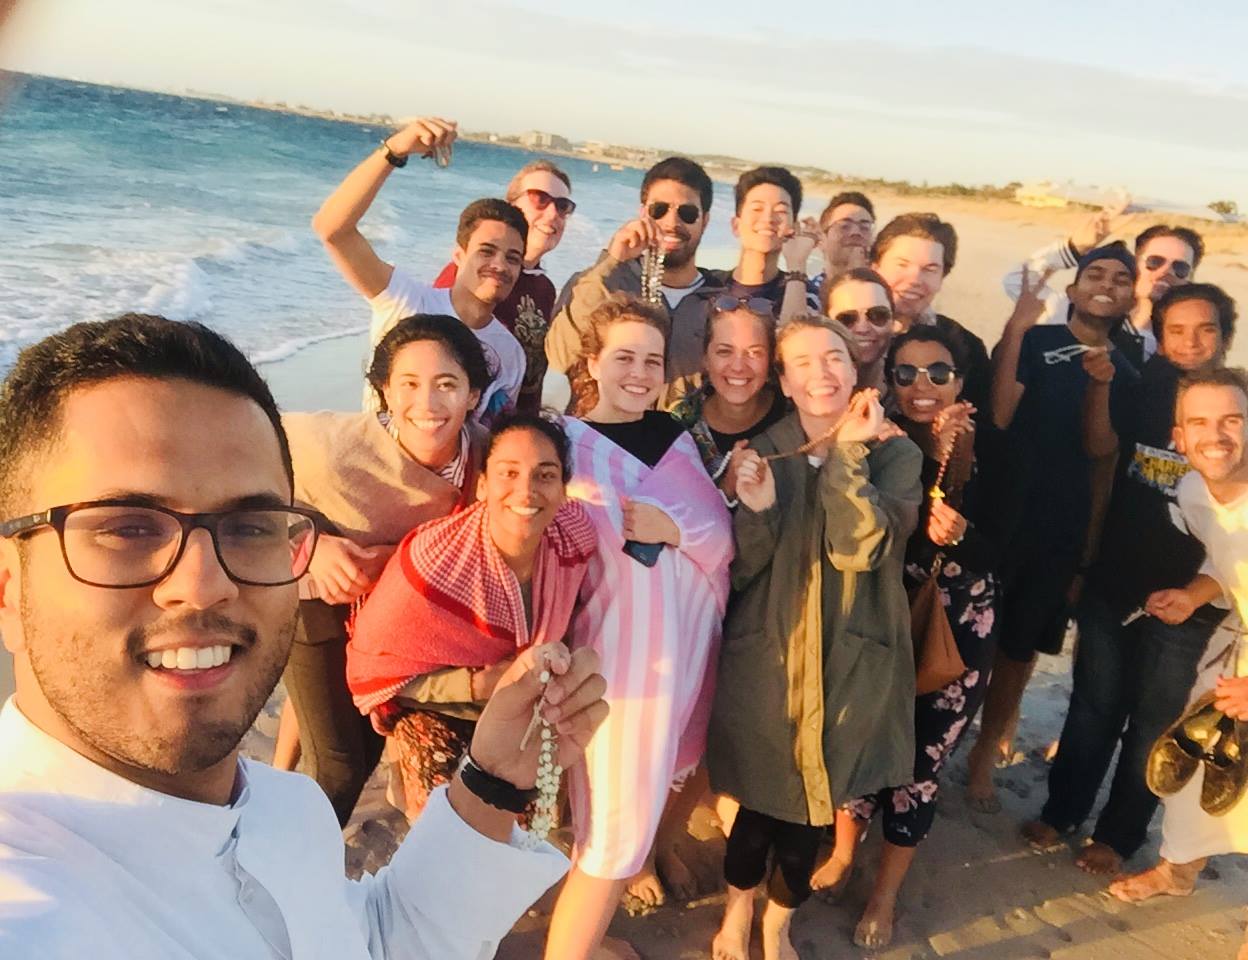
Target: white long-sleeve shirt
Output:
[(92, 865)]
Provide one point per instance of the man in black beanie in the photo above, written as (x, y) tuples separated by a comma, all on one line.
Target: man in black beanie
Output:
[(1040, 379)]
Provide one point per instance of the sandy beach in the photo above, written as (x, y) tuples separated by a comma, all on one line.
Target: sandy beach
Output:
[(977, 892)]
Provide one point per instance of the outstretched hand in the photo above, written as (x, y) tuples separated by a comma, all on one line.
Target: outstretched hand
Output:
[(1099, 365), (424, 137), (634, 238), (800, 244), (1106, 221), (1030, 305), (864, 420), (574, 707)]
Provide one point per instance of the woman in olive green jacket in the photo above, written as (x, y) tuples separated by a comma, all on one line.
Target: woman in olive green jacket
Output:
[(815, 698)]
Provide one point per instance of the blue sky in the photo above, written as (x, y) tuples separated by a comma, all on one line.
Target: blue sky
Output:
[(1149, 95)]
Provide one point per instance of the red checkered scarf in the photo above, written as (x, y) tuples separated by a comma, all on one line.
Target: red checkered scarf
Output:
[(448, 599)]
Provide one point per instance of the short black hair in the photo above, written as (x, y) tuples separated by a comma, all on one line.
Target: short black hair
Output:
[(682, 170), (776, 176), (926, 226), (1215, 296), (490, 208), (1187, 235), (849, 196), (547, 423), (33, 395), (926, 333), (451, 332)]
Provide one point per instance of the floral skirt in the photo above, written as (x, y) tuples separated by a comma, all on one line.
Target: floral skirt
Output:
[(428, 746)]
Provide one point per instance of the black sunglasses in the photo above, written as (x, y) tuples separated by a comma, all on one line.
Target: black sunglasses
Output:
[(541, 200), (688, 212), (121, 544), (726, 304), (876, 316), (938, 374), (1181, 268)]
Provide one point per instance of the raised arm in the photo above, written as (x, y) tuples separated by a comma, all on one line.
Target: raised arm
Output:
[(337, 222), (870, 509), (1100, 439), (1007, 391)]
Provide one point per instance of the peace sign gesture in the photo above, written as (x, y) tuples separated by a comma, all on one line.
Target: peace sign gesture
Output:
[(1106, 221), (1030, 305)]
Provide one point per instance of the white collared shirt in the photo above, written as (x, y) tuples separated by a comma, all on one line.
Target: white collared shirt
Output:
[(92, 865)]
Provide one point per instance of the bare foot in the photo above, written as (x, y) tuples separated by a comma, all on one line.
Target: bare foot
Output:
[(831, 879), (1165, 879), (675, 873), (875, 929), (1040, 835), (645, 885), (732, 942), (1099, 858), (613, 948), (1050, 751), (981, 792), (776, 942)]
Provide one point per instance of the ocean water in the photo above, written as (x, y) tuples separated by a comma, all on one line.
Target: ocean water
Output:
[(114, 200)]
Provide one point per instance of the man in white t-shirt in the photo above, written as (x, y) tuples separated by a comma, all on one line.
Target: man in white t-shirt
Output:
[(489, 253), (1211, 430)]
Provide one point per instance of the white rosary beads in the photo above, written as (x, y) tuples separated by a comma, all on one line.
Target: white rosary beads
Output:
[(548, 772), (652, 274)]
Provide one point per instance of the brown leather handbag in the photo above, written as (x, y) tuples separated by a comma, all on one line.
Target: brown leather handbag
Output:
[(936, 659)]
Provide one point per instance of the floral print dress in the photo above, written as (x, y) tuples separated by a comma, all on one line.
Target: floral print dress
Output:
[(968, 590)]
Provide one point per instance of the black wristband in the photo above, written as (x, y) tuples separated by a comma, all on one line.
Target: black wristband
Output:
[(495, 791), (393, 158)]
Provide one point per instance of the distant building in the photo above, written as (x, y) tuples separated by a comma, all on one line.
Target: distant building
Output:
[(1042, 194), (540, 140)]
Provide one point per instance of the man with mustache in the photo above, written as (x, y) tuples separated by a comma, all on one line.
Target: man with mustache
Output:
[(148, 559), (1167, 257), (1132, 674), (1040, 377), (489, 252), (676, 198), (1211, 430)]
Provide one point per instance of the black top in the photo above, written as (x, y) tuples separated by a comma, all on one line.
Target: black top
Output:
[(646, 439), (977, 377), (772, 290), (779, 410), (1047, 432), (1141, 548)]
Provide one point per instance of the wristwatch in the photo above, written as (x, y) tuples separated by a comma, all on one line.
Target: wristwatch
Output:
[(392, 158), (495, 791)]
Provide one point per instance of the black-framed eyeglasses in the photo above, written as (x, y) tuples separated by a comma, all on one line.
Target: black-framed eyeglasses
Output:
[(726, 304), (540, 199), (938, 374), (845, 223), (1180, 268), (121, 544), (876, 316), (688, 212)]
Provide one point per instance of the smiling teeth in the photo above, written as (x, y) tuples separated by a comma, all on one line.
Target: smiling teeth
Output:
[(636, 391), (427, 424), (526, 511), (1101, 298), (734, 382), (924, 402), (189, 658)]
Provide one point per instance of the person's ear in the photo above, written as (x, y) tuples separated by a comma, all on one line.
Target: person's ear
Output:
[(1176, 435), (10, 598), (481, 485), (458, 256), (735, 223), (594, 367)]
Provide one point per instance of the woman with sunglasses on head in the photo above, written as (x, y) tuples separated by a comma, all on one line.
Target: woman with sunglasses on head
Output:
[(655, 596), (963, 531), (861, 300), (463, 596), (543, 193), (738, 399), (374, 477), (815, 693)]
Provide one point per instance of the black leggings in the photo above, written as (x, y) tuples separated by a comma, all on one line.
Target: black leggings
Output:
[(793, 848), (340, 747)]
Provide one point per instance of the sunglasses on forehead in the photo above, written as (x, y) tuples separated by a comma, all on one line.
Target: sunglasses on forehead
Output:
[(876, 316), (726, 304), (688, 212), (938, 374), (541, 200), (1180, 268)]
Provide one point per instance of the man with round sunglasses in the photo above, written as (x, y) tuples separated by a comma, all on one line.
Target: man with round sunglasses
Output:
[(1167, 257), (676, 196), (543, 193), (148, 559)]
